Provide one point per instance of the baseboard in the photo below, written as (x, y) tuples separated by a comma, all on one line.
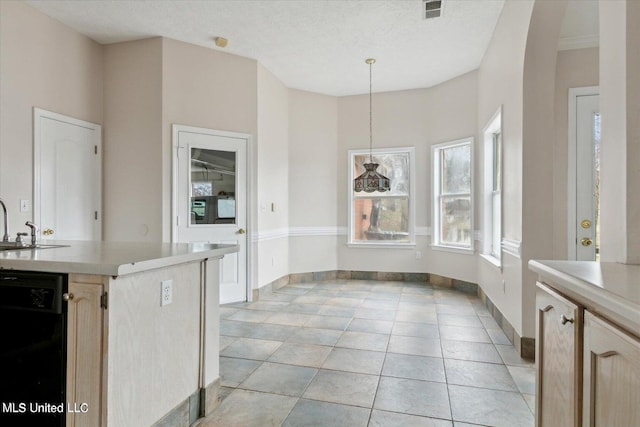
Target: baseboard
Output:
[(209, 398), (524, 345), (185, 414)]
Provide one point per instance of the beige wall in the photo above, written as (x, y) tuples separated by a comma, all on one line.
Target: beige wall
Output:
[(574, 68), (620, 112), (538, 144), (500, 82), (47, 65), (133, 141), (414, 118), (205, 88), (313, 179), (272, 173)]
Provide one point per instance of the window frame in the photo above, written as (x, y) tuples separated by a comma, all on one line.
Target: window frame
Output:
[(352, 197), (493, 186), (437, 196)]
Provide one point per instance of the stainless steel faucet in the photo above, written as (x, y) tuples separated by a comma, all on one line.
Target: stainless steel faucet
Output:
[(34, 232), (5, 238)]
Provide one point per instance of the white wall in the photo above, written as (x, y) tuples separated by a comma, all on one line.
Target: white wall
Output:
[(272, 173), (620, 113), (313, 179), (47, 65), (574, 68), (538, 144), (132, 191), (153, 351), (500, 83), (414, 118)]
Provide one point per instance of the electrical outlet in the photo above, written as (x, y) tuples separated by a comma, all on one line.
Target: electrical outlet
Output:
[(504, 287), (166, 293), (273, 261)]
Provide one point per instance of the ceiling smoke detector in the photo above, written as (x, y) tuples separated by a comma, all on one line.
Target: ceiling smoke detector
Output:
[(432, 8)]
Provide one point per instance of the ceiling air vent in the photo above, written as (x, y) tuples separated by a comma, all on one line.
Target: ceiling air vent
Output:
[(432, 8)]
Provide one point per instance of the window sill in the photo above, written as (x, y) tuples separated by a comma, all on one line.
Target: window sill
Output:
[(491, 260), (408, 245), (453, 249)]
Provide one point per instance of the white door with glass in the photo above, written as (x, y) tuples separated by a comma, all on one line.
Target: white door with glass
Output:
[(210, 198), (67, 177), (584, 174)]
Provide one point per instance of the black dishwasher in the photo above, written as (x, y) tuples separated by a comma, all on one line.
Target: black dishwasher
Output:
[(33, 348)]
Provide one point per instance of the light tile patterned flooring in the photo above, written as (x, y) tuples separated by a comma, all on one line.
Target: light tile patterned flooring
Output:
[(360, 353)]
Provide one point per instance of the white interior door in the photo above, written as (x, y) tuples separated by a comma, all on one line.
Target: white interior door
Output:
[(586, 225), (210, 198), (67, 177)]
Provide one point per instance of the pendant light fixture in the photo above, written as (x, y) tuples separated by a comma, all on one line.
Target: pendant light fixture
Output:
[(371, 180)]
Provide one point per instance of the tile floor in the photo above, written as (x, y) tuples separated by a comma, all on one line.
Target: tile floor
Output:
[(360, 353)]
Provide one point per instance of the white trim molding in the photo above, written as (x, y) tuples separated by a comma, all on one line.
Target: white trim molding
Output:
[(512, 247), (317, 231), (281, 233), (262, 236)]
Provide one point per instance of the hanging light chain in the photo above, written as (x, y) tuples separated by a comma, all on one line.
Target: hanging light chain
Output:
[(370, 62)]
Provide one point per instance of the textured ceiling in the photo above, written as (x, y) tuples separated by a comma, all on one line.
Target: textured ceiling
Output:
[(314, 45), (321, 45)]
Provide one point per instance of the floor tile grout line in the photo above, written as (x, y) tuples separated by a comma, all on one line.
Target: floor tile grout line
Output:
[(366, 298)]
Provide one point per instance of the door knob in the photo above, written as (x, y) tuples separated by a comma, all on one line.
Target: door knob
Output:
[(47, 232), (67, 296), (585, 223), (241, 231), (586, 241)]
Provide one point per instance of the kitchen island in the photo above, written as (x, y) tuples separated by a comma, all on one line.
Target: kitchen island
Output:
[(587, 343), (143, 328)]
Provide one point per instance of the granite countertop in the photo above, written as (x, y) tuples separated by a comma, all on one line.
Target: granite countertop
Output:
[(609, 289), (109, 258)]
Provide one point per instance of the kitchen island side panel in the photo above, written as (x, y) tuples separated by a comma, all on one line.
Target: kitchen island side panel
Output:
[(153, 350)]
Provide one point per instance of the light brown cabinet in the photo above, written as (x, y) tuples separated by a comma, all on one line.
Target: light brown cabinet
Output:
[(559, 360), (612, 375), (588, 369), (85, 351)]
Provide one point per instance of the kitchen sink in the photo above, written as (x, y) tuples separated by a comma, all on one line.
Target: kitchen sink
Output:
[(12, 246)]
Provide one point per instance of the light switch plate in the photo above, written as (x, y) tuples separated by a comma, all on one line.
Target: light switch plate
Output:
[(24, 205)]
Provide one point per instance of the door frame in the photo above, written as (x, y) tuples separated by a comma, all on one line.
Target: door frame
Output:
[(38, 115), (175, 131), (572, 141)]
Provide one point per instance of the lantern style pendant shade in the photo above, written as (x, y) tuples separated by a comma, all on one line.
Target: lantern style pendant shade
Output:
[(371, 180)]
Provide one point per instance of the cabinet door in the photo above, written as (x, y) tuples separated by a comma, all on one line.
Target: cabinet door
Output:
[(84, 355), (558, 360), (611, 375)]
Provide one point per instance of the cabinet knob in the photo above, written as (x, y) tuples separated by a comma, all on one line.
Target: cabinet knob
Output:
[(67, 296), (564, 319)]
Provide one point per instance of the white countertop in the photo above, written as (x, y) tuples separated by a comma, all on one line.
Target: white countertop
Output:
[(109, 258), (609, 289)]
